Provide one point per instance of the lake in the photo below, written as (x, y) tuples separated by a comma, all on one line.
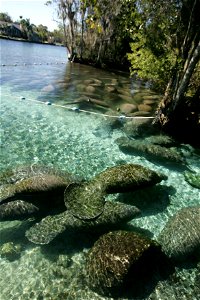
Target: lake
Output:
[(70, 116)]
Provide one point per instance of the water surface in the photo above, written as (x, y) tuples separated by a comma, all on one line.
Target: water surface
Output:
[(84, 144)]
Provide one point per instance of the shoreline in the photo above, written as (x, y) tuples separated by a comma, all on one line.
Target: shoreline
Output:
[(27, 41)]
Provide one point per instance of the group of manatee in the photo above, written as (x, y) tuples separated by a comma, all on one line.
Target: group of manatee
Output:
[(60, 201), (80, 204)]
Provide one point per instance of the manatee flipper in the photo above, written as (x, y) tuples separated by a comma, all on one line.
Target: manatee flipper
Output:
[(114, 213), (85, 200), (46, 230)]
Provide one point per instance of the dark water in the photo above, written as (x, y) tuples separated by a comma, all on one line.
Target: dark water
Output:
[(84, 144)]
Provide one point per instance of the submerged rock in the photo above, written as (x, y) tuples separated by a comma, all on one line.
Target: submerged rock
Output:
[(127, 178), (180, 238), (121, 260), (192, 179), (114, 213)]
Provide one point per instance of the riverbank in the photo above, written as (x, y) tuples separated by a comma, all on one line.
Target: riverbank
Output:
[(27, 41)]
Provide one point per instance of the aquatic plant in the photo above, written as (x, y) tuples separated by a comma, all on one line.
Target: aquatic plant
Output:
[(10, 251), (192, 179)]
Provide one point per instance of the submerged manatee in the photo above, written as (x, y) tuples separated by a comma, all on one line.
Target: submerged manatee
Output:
[(36, 185), (127, 178), (152, 152), (83, 203), (17, 209), (113, 214), (120, 261), (39, 192), (86, 205), (180, 238)]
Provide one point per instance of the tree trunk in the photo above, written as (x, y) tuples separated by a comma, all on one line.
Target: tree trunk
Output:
[(177, 114)]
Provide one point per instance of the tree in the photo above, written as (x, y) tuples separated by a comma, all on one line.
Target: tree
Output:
[(42, 32), (105, 37), (179, 111), (27, 27), (67, 11), (165, 49), (4, 17)]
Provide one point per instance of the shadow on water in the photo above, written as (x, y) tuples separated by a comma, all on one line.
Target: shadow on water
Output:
[(72, 241), (16, 233), (150, 201)]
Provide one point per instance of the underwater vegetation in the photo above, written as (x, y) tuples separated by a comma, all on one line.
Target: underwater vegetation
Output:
[(192, 179)]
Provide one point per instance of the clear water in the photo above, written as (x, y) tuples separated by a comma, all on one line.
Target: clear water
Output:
[(83, 144)]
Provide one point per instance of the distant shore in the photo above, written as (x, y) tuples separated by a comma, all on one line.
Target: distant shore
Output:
[(27, 41)]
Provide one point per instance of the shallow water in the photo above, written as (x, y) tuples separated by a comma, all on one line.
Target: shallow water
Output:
[(83, 144)]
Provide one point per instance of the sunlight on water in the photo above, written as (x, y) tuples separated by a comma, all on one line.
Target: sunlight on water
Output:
[(82, 144)]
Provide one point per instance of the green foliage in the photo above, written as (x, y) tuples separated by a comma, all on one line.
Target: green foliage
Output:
[(164, 36), (153, 55), (148, 64), (42, 32), (4, 17)]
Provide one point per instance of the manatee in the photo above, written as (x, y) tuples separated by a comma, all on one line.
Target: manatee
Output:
[(39, 185), (120, 261), (161, 140), (180, 238), (127, 178), (17, 209), (19, 173), (152, 152), (114, 213), (83, 204), (32, 191)]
